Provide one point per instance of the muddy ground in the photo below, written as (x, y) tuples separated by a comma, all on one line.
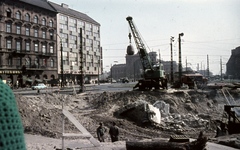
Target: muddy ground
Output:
[(42, 115)]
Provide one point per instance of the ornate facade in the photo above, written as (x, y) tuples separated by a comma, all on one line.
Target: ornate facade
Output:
[(28, 42)]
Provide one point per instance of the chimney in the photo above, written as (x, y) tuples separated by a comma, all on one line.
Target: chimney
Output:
[(64, 5)]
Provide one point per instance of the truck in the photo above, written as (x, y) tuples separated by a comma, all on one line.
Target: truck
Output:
[(153, 74), (193, 80)]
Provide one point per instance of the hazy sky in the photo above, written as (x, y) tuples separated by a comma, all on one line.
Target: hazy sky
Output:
[(210, 27)]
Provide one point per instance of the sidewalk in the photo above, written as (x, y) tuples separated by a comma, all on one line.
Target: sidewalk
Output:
[(34, 142)]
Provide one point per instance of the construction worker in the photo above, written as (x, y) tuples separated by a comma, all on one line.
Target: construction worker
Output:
[(114, 132), (100, 132)]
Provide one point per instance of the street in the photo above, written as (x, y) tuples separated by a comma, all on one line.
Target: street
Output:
[(74, 89)]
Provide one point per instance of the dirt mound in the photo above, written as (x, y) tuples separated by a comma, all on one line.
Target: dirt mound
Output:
[(41, 114)]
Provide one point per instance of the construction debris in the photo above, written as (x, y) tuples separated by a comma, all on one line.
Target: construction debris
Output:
[(184, 112)]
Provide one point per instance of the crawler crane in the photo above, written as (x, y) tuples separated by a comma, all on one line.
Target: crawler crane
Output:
[(153, 74)]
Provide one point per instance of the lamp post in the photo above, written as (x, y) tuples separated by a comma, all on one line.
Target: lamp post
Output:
[(180, 59), (61, 64)]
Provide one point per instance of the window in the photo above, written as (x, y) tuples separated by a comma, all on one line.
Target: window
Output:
[(51, 35), (27, 46), (72, 28), (10, 61), (9, 27), (35, 20), (18, 15), (9, 44), (65, 62), (63, 18), (65, 54), (36, 47), (18, 45), (44, 34), (80, 23), (36, 62), (51, 49), (44, 48), (9, 13), (51, 23), (44, 21), (35, 32), (18, 29), (27, 17), (44, 62), (27, 62), (52, 63), (27, 31), (63, 26), (18, 61)]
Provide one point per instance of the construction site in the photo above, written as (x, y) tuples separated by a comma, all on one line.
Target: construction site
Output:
[(190, 113), (140, 116)]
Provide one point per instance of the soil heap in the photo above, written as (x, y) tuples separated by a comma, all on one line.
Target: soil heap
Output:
[(191, 111)]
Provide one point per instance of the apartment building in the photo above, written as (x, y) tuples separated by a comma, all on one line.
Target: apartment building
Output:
[(80, 38), (27, 42)]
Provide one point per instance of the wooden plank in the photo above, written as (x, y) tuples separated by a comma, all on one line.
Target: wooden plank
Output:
[(75, 122), (77, 135), (94, 142), (78, 125)]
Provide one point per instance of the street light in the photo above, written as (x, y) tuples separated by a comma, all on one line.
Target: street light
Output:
[(180, 58), (61, 66)]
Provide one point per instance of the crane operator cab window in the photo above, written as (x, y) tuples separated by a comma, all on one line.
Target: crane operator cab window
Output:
[(157, 66)]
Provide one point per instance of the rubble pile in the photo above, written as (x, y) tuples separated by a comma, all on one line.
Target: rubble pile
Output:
[(186, 112)]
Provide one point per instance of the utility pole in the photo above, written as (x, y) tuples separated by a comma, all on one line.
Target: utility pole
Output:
[(208, 66), (180, 59), (98, 71), (81, 62), (61, 63), (111, 74), (159, 55), (171, 40), (221, 67)]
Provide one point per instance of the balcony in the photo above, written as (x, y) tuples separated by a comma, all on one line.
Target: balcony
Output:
[(44, 54), (36, 67), (18, 52)]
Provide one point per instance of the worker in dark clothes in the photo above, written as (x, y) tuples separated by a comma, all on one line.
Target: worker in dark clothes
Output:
[(114, 132), (100, 132)]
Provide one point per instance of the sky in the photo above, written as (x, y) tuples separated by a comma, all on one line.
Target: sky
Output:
[(211, 28)]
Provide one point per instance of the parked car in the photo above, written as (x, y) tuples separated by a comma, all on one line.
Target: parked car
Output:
[(124, 80), (39, 86)]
